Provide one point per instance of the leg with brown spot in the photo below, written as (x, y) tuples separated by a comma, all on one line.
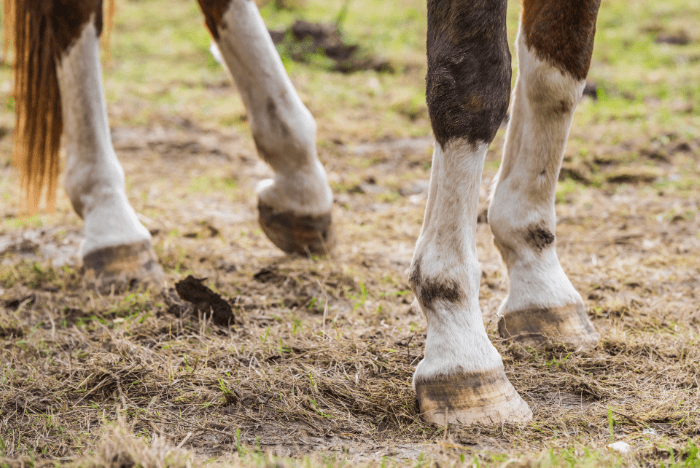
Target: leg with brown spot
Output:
[(461, 378), (295, 207), (554, 45), (117, 248)]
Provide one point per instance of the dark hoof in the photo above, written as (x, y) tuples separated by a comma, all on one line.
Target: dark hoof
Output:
[(119, 265), (298, 234), (474, 397), (567, 325)]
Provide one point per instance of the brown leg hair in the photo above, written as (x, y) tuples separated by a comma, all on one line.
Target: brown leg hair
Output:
[(468, 80), (213, 12), (561, 32)]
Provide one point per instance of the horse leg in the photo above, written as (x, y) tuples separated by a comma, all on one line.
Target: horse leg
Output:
[(554, 47), (116, 247), (295, 207), (461, 378)]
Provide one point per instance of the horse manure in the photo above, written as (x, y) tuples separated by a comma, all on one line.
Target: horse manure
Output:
[(205, 301)]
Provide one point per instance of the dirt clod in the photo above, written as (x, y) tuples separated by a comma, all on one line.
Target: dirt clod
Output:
[(14, 304), (268, 274), (303, 39), (591, 90), (205, 300), (11, 332), (679, 38)]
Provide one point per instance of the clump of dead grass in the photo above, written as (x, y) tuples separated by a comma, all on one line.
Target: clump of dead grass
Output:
[(120, 448)]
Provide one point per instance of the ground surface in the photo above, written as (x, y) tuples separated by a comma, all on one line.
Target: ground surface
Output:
[(318, 364)]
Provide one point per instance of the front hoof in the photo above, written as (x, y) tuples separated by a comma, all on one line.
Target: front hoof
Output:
[(470, 398), (119, 265), (538, 327), (298, 234)]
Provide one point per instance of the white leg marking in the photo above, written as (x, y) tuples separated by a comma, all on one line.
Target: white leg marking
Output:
[(446, 271), (522, 215), (94, 178), (283, 128)]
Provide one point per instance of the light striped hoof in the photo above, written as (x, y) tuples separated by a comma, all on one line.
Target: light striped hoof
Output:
[(298, 234), (537, 327), (471, 398), (120, 265)]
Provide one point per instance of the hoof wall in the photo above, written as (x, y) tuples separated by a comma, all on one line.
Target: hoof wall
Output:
[(567, 325), (121, 264), (471, 398), (298, 234)]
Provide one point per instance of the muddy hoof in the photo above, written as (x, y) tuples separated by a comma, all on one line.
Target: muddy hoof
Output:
[(298, 234), (475, 397), (121, 264), (567, 325)]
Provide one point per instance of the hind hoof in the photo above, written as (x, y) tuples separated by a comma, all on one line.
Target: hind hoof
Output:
[(121, 264), (471, 398), (538, 327), (298, 234)]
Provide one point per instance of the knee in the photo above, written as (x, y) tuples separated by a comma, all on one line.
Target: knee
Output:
[(468, 100), (554, 60), (547, 89)]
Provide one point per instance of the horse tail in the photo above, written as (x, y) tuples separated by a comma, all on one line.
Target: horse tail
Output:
[(110, 10), (38, 118), (38, 122)]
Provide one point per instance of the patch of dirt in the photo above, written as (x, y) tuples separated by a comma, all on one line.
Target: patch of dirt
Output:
[(630, 161), (304, 39), (678, 38), (57, 243), (10, 332)]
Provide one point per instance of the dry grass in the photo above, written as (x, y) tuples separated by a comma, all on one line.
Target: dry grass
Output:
[(321, 355), (316, 369)]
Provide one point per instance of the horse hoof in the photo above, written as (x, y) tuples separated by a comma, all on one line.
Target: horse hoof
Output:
[(537, 327), (471, 398), (298, 234), (119, 265)]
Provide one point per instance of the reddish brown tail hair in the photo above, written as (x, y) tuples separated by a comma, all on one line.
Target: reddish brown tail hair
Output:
[(38, 123)]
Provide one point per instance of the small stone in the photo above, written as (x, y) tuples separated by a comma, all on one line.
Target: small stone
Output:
[(620, 447)]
